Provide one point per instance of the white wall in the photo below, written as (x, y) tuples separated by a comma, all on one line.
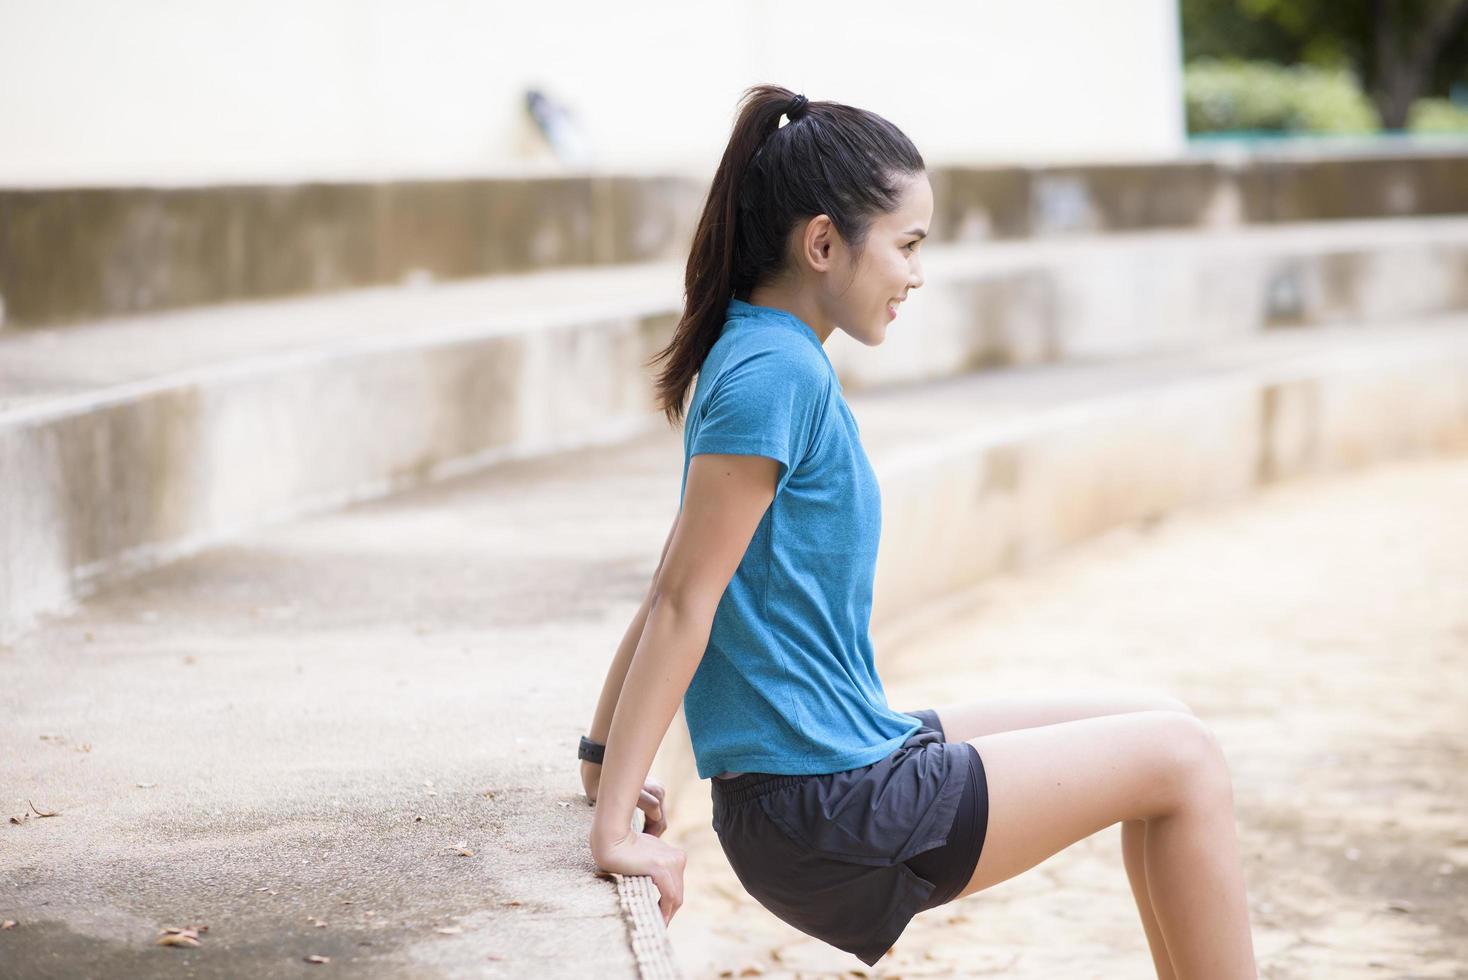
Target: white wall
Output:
[(171, 92)]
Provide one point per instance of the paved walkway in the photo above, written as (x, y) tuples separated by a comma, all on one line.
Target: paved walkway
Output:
[(247, 740), (1321, 629)]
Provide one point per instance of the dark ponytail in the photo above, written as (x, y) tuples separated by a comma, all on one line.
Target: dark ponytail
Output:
[(829, 159)]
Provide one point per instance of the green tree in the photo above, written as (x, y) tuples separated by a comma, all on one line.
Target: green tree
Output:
[(1400, 49)]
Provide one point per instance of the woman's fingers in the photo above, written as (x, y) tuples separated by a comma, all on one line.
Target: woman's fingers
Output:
[(643, 854), (670, 887), (651, 803)]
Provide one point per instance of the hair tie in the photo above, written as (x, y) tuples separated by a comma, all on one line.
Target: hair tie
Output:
[(797, 108)]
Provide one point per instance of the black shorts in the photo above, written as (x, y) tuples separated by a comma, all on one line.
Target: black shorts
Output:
[(850, 857)]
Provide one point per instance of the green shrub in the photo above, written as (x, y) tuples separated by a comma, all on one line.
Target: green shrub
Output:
[(1244, 95), (1437, 116)]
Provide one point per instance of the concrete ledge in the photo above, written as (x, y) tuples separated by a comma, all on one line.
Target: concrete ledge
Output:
[(132, 442), (108, 479), (72, 255), (1123, 295), (368, 716), (1002, 493)]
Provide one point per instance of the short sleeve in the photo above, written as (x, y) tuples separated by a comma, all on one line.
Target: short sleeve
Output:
[(767, 404)]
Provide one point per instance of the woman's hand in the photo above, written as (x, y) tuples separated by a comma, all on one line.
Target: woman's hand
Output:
[(654, 820), (643, 854), (650, 802)]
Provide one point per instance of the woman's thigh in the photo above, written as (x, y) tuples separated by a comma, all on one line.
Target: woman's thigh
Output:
[(967, 720), (1052, 785)]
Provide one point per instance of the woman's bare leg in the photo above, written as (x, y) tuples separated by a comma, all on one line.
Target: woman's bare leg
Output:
[(1053, 785), (967, 720), (970, 719), (1133, 845)]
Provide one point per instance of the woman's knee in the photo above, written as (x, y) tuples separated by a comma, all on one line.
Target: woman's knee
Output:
[(1199, 767)]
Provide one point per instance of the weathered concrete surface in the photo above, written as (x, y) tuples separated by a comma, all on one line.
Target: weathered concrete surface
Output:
[(295, 700), (127, 445), (67, 255), (131, 442)]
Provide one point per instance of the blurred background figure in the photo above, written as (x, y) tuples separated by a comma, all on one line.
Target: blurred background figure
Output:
[(557, 124)]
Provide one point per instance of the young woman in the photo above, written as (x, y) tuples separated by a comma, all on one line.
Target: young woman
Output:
[(839, 814)]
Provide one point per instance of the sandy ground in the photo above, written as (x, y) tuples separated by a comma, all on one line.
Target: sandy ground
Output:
[(1320, 628)]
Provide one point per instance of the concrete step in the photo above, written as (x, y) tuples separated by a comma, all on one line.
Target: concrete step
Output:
[(127, 444), (1126, 294), (276, 712), (131, 442), (248, 737), (1025, 301), (68, 255)]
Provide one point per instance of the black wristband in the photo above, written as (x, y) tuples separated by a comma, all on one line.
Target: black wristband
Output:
[(591, 751)]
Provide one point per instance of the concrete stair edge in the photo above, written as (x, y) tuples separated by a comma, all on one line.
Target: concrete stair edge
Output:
[(74, 521)]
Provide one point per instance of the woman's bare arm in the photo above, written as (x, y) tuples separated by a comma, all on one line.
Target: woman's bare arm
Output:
[(724, 500), (611, 689)]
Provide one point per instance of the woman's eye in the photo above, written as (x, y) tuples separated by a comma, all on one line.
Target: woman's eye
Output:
[(912, 244)]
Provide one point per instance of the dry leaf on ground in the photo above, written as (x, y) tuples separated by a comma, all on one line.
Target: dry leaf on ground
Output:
[(183, 930)]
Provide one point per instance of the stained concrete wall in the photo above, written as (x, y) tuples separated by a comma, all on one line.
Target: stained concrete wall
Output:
[(174, 92), (73, 254)]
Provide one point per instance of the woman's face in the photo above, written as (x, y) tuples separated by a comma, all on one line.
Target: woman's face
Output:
[(863, 300)]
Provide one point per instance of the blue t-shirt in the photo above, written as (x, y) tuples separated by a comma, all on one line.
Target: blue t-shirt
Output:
[(787, 683)]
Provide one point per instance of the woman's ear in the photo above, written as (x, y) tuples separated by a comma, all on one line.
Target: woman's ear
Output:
[(819, 232)]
